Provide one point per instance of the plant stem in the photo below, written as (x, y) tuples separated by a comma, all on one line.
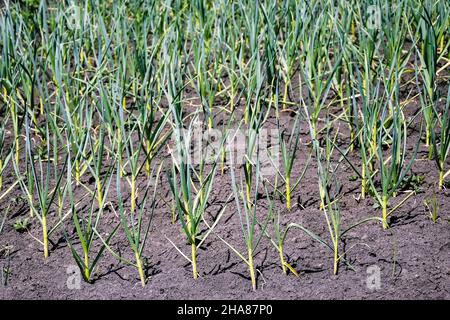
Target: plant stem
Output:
[(283, 264), (374, 140), (286, 88), (352, 138), (247, 194), (363, 182), (384, 212), (194, 259), (147, 162), (41, 105), (430, 152), (251, 268), (288, 193), (336, 258), (124, 103), (209, 122), (133, 193), (87, 273), (246, 115), (322, 198), (313, 124), (428, 136), (45, 235), (140, 269), (99, 194), (17, 148), (77, 172), (441, 177)]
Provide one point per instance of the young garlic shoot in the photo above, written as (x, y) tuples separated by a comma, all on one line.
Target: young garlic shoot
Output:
[(441, 141), (132, 157), (191, 198), (256, 122), (133, 223), (332, 215), (39, 181), (248, 220), (235, 57), (326, 173), (150, 140), (151, 131), (17, 125), (328, 181), (317, 69), (95, 166), (85, 226), (288, 154), (391, 170), (154, 141), (78, 135), (428, 55), (371, 104), (254, 85), (289, 49), (278, 237), (206, 85), (341, 83)]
